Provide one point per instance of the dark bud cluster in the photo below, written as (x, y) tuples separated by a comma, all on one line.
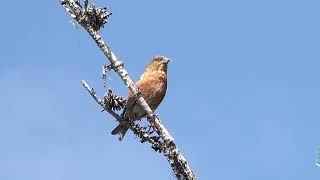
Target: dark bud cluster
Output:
[(113, 101), (141, 132), (95, 17), (155, 145)]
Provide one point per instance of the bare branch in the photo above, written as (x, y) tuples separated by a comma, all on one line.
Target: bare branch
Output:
[(92, 92), (89, 20)]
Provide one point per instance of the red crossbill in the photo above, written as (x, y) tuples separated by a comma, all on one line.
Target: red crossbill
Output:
[(153, 86)]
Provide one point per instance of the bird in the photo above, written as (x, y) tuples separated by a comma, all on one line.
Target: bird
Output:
[(152, 85)]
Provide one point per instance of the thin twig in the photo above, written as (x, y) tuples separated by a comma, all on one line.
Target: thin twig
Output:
[(92, 92)]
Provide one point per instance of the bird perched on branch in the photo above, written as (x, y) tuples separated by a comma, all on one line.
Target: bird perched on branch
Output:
[(153, 86)]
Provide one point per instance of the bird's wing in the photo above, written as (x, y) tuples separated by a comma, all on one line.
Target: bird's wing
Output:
[(150, 85), (145, 87)]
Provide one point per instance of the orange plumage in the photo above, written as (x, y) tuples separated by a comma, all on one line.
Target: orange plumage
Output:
[(153, 87)]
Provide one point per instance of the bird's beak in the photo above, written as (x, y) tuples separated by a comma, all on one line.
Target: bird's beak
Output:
[(167, 60)]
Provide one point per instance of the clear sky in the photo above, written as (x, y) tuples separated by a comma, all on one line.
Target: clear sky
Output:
[(243, 98)]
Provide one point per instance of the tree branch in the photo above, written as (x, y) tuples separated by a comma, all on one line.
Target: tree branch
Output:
[(92, 19)]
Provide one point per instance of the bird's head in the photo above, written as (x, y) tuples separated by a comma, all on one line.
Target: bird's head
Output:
[(158, 63)]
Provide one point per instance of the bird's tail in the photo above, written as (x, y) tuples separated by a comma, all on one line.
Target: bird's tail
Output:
[(120, 130)]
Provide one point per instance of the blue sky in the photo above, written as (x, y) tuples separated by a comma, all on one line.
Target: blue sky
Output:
[(242, 103)]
